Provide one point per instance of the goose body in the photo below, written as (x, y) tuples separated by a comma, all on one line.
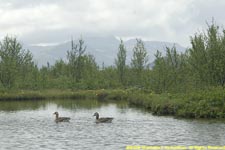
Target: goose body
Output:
[(60, 119), (102, 120)]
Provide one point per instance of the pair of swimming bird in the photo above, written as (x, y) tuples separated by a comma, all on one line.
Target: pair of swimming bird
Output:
[(98, 120)]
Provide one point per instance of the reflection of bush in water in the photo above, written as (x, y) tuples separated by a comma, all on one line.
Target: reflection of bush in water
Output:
[(21, 105), (86, 103), (74, 104)]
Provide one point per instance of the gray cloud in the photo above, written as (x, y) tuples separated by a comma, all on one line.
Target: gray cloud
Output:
[(42, 21)]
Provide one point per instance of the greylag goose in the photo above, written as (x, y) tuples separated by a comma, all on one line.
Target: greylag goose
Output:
[(102, 120), (60, 119)]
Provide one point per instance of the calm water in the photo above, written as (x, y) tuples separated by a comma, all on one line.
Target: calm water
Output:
[(28, 125)]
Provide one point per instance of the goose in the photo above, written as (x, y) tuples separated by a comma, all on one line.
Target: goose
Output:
[(60, 119), (102, 120)]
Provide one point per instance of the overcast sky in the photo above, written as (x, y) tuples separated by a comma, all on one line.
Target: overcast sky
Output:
[(52, 21)]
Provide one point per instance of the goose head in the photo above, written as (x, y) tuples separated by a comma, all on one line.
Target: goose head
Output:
[(96, 114), (56, 114)]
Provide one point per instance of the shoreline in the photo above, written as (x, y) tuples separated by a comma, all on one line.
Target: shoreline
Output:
[(207, 105)]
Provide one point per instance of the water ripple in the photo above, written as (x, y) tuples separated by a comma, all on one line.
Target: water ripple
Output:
[(36, 129)]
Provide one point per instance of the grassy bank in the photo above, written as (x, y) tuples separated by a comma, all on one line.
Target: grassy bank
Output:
[(200, 104), (46, 94), (103, 95)]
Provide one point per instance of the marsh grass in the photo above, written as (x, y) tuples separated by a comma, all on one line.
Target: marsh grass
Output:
[(208, 103), (45, 94)]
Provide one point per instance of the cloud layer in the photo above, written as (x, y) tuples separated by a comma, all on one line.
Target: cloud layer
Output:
[(39, 21)]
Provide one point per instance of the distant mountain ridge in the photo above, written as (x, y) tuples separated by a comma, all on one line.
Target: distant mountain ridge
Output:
[(104, 49)]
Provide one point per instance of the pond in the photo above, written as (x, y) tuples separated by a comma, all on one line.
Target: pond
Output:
[(28, 125)]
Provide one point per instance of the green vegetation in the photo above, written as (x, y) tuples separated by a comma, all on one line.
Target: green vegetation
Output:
[(47, 94), (199, 104), (188, 84)]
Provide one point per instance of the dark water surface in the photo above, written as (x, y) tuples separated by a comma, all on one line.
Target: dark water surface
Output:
[(29, 125)]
